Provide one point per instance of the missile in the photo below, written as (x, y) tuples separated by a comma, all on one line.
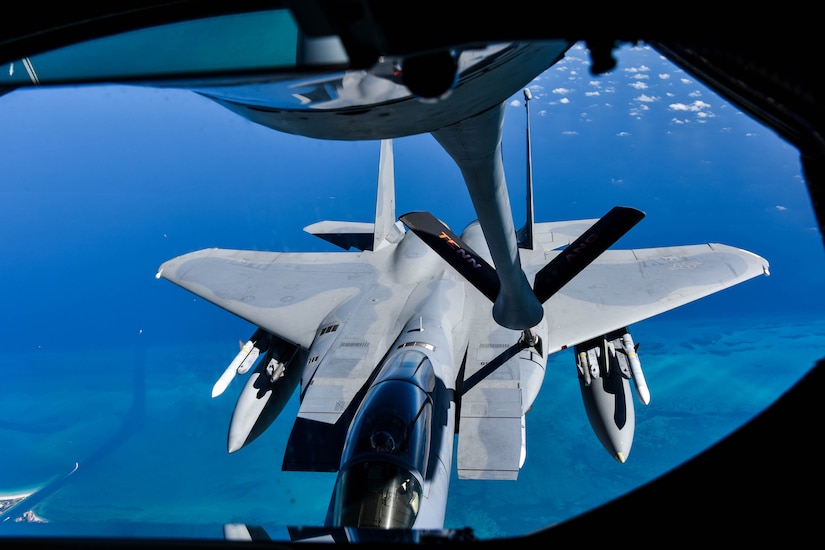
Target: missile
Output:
[(265, 394), (637, 375), (242, 362), (607, 398)]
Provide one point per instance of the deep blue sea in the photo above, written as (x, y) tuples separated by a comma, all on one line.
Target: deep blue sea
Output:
[(106, 418)]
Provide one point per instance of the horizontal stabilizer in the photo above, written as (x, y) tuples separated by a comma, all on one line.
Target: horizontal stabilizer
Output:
[(449, 246), (584, 250), (346, 235), (364, 235)]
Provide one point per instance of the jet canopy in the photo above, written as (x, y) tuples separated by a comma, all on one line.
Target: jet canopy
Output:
[(380, 482)]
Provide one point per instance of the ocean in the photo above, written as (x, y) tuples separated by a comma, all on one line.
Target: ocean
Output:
[(150, 443)]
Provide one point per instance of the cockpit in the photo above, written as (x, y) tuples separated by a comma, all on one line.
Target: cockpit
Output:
[(380, 483)]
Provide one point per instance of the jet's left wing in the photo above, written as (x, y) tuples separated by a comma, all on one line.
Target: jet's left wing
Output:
[(286, 294), (623, 287)]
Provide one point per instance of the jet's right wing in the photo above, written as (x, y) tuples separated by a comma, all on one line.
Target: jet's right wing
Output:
[(286, 294)]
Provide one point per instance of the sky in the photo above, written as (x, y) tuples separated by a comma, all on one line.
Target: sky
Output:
[(103, 184)]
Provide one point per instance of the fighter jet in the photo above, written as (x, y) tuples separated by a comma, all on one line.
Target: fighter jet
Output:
[(415, 334), (757, 85), (421, 333)]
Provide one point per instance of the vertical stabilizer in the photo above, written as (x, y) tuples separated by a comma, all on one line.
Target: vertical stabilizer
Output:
[(365, 235), (525, 234), (385, 228)]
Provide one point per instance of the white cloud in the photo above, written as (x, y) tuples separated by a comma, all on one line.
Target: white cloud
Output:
[(569, 133), (644, 98), (623, 134), (781, 208), (695, 93), (695, 107), (590, 94), (664, 76), (564, 100), (638, 85), (562, 91), (637, 70)]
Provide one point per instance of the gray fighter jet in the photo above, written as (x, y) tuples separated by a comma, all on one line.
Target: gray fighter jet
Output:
[(422, 333)]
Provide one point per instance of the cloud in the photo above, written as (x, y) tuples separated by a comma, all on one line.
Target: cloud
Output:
[(639, 85), (781, 208), (644, 98), (564, 100), (562, 91), (664, 76), (623, 134), (637, 70), (638, 109), (569, 133), (694, 107)]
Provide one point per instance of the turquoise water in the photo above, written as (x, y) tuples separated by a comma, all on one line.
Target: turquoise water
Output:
[(163, 463)]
